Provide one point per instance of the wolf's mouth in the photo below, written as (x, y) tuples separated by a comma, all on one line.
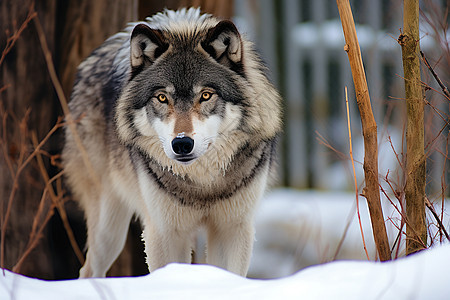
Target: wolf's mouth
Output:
[(186, 160)]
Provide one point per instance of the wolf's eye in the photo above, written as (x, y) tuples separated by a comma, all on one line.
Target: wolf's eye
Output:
[(206, 96), (162, 98)]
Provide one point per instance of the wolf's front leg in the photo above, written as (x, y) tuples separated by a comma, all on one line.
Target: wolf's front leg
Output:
[(164, 245), (230, 246), (107, 223)]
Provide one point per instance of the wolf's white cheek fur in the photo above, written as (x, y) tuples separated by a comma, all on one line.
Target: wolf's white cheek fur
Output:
[(205, 133), (142, 124), (232, 114), (165, 133)]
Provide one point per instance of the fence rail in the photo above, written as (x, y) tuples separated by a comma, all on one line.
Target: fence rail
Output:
[(302, 42)]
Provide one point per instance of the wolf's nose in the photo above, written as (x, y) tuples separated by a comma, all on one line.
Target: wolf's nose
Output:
[(182, 146)]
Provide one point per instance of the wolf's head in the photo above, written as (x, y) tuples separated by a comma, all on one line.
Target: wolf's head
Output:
[(189, 88)]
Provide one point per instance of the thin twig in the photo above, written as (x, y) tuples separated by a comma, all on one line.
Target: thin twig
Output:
[(20, 168), (3, 141), (23, 137), (62, 99), (436, 77), (419, 240), (443, 185), (395, 153), (10, 42), (59, 205), (323, 141), (341, 241), (435, 215), (399, 197), (13, 38), (5, 87), (354, 175), (36, 231)]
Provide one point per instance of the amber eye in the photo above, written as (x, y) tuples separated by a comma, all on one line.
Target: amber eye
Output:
[(206, 96), (162, 98)]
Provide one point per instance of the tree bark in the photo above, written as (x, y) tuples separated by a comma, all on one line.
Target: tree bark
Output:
[(416, 229), (219, 8), (26, 87), (369, 128), (72, 30), (83, 26)]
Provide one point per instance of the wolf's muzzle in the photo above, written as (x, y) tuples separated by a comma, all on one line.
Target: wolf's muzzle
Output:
[(183, 145)]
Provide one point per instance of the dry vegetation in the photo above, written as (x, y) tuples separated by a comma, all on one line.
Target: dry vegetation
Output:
[(20, 154)]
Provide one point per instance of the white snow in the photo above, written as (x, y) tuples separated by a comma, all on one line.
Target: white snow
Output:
[(421, 276), (295, 229)]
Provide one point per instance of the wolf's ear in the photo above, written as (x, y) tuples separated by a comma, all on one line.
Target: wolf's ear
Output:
[(146, 46), (223, 42)]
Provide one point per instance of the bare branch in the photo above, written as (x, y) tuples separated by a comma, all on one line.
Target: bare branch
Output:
[(436, 77)]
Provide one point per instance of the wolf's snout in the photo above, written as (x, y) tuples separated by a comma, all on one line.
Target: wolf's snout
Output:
[(182, 146)]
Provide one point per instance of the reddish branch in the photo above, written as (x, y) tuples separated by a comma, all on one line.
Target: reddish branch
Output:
[(436, 216), (369, 127), (15, 186), (70, 124), (15, 36), (436, 77), (354, 174)]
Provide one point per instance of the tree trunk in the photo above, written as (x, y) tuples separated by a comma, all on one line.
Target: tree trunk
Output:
[(26, 86), (416, 230), (369, 127), (219, 8), (72, 30), (83, 26)]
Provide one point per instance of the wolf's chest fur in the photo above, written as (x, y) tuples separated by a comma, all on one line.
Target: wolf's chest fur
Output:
[(214, 185)]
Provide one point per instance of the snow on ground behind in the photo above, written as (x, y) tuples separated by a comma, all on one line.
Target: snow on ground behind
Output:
[(295, 229), (421, 276)]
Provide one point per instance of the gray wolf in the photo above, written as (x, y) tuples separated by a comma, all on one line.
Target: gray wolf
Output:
[(179, 123)]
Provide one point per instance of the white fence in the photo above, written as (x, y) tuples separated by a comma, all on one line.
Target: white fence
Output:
[(302, 42)]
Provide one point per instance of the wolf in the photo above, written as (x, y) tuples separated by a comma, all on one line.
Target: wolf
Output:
[(176, 122)]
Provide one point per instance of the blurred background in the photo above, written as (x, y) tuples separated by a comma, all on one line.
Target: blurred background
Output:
[(303, 45)]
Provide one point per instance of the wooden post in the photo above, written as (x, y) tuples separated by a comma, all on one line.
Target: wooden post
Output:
[(369, 127), (416, 229)]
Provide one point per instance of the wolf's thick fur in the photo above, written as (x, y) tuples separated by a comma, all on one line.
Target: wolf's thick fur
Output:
[(179, 123)]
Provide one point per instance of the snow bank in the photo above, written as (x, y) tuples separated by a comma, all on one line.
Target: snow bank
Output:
[(421, 276), (296, 229)]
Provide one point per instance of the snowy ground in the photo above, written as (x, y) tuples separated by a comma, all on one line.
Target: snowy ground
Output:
[(295, 229), (421, 276)]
